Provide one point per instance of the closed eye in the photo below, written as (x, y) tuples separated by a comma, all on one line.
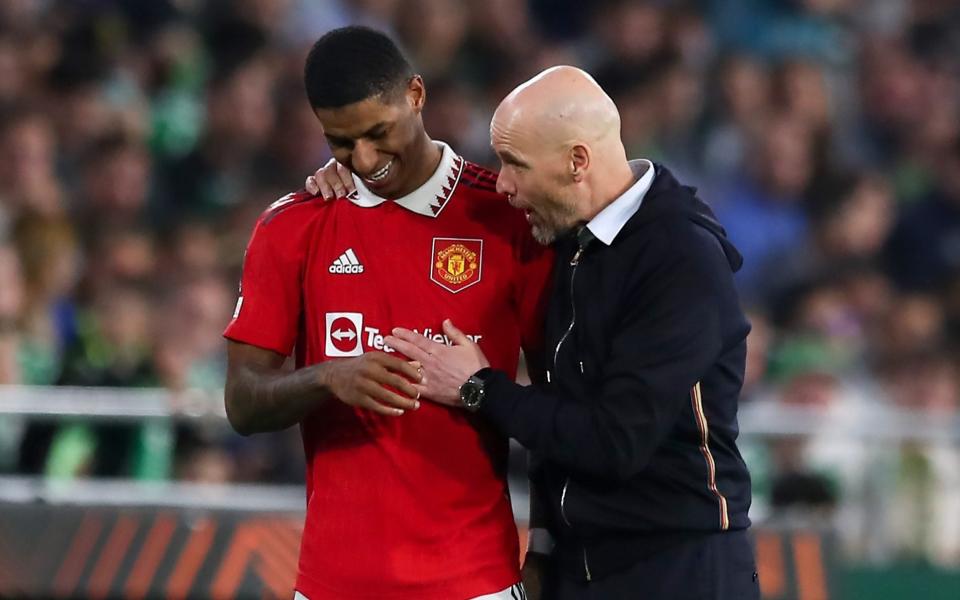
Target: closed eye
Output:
[(337, 142), (378, 134)]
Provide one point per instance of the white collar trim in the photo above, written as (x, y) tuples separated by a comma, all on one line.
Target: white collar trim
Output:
[(609, 221), (430, 198)]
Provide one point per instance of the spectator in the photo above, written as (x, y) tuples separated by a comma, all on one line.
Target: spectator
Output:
[(851, 216), (115, 179), (745, 93), (924, 253), (52, 264), (239, 116), (110, 351), (28, 179), (763, 210)]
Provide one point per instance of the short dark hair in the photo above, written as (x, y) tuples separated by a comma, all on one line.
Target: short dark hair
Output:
[(351, 64)]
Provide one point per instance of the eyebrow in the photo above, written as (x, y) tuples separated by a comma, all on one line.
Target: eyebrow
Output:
[(373, 130), (511, 159), (376, 129)]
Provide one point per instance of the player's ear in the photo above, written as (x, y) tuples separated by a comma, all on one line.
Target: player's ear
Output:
[(416, 93)]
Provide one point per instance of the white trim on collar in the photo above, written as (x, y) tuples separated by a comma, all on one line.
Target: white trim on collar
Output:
[(430, 198), (609, 221)]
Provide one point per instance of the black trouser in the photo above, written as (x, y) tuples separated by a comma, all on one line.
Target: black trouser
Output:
[(717, 567)]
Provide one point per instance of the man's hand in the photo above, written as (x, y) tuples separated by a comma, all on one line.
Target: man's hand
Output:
[(331, 181), (361, 382), (445, 368)]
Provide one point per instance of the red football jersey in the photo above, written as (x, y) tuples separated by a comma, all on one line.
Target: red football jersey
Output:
[(414, 506)]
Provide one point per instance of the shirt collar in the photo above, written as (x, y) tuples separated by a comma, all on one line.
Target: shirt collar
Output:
[(430, 198), (609, 221)]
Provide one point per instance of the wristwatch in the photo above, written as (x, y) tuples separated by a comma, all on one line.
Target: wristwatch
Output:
[(472, 391)]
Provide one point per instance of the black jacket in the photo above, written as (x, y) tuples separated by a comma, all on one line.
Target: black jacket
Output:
[(633, 439)]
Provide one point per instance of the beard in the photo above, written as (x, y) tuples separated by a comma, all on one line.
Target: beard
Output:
[(553, 220), (544, 234)]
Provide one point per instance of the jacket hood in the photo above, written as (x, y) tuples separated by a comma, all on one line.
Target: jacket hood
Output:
[(668, 196)]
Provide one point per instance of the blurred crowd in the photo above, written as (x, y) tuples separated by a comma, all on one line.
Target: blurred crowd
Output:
[(140, 139)]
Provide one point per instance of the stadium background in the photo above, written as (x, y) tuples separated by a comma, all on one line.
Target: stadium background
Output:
[(139, 140)]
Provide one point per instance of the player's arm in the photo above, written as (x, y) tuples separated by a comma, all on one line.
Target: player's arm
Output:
[(261, 396)]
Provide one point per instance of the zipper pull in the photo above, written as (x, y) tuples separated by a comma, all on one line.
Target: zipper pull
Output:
[(584, 237), (576, 257)]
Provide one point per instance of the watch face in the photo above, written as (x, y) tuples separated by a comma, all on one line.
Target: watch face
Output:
[(471, 394)]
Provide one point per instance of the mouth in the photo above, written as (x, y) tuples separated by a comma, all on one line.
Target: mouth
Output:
[(527, 212), (380, 174)]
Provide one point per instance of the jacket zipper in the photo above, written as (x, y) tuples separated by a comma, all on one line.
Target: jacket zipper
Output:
[(556, 352), (573, 307)]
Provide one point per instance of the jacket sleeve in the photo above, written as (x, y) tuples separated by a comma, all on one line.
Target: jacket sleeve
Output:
[(667, 338)]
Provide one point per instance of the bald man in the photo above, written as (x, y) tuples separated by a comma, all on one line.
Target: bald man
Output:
[(633, 437), (561, 109)]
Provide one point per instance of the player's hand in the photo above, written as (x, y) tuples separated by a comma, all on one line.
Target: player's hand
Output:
[(362, 382), (445, 368), (331, 181)]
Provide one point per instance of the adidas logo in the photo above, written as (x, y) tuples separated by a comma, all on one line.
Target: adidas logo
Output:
[(347, 264)]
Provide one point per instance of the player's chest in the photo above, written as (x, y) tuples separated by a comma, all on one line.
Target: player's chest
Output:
[(432, 262), (365, 277)]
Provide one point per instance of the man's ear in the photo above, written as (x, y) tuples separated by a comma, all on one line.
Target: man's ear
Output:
[(416, 93), (579, 161)]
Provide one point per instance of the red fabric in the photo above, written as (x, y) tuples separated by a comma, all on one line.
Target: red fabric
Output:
[(415, 506)]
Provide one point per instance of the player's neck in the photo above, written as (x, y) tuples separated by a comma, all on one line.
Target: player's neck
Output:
[(429, 155)]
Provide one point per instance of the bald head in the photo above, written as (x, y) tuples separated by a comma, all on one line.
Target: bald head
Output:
[(560, 106), (558, 140)]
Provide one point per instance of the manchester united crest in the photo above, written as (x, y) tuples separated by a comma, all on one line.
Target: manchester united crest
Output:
[(457, 263)]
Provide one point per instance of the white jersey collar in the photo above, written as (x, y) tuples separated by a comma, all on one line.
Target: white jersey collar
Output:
[(430, 198)]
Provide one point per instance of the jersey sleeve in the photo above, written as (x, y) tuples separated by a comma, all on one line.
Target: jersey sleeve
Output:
[(534, 268), (268, 311)]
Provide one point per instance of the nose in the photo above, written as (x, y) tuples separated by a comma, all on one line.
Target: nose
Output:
[(365, 157), (506, 185)]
